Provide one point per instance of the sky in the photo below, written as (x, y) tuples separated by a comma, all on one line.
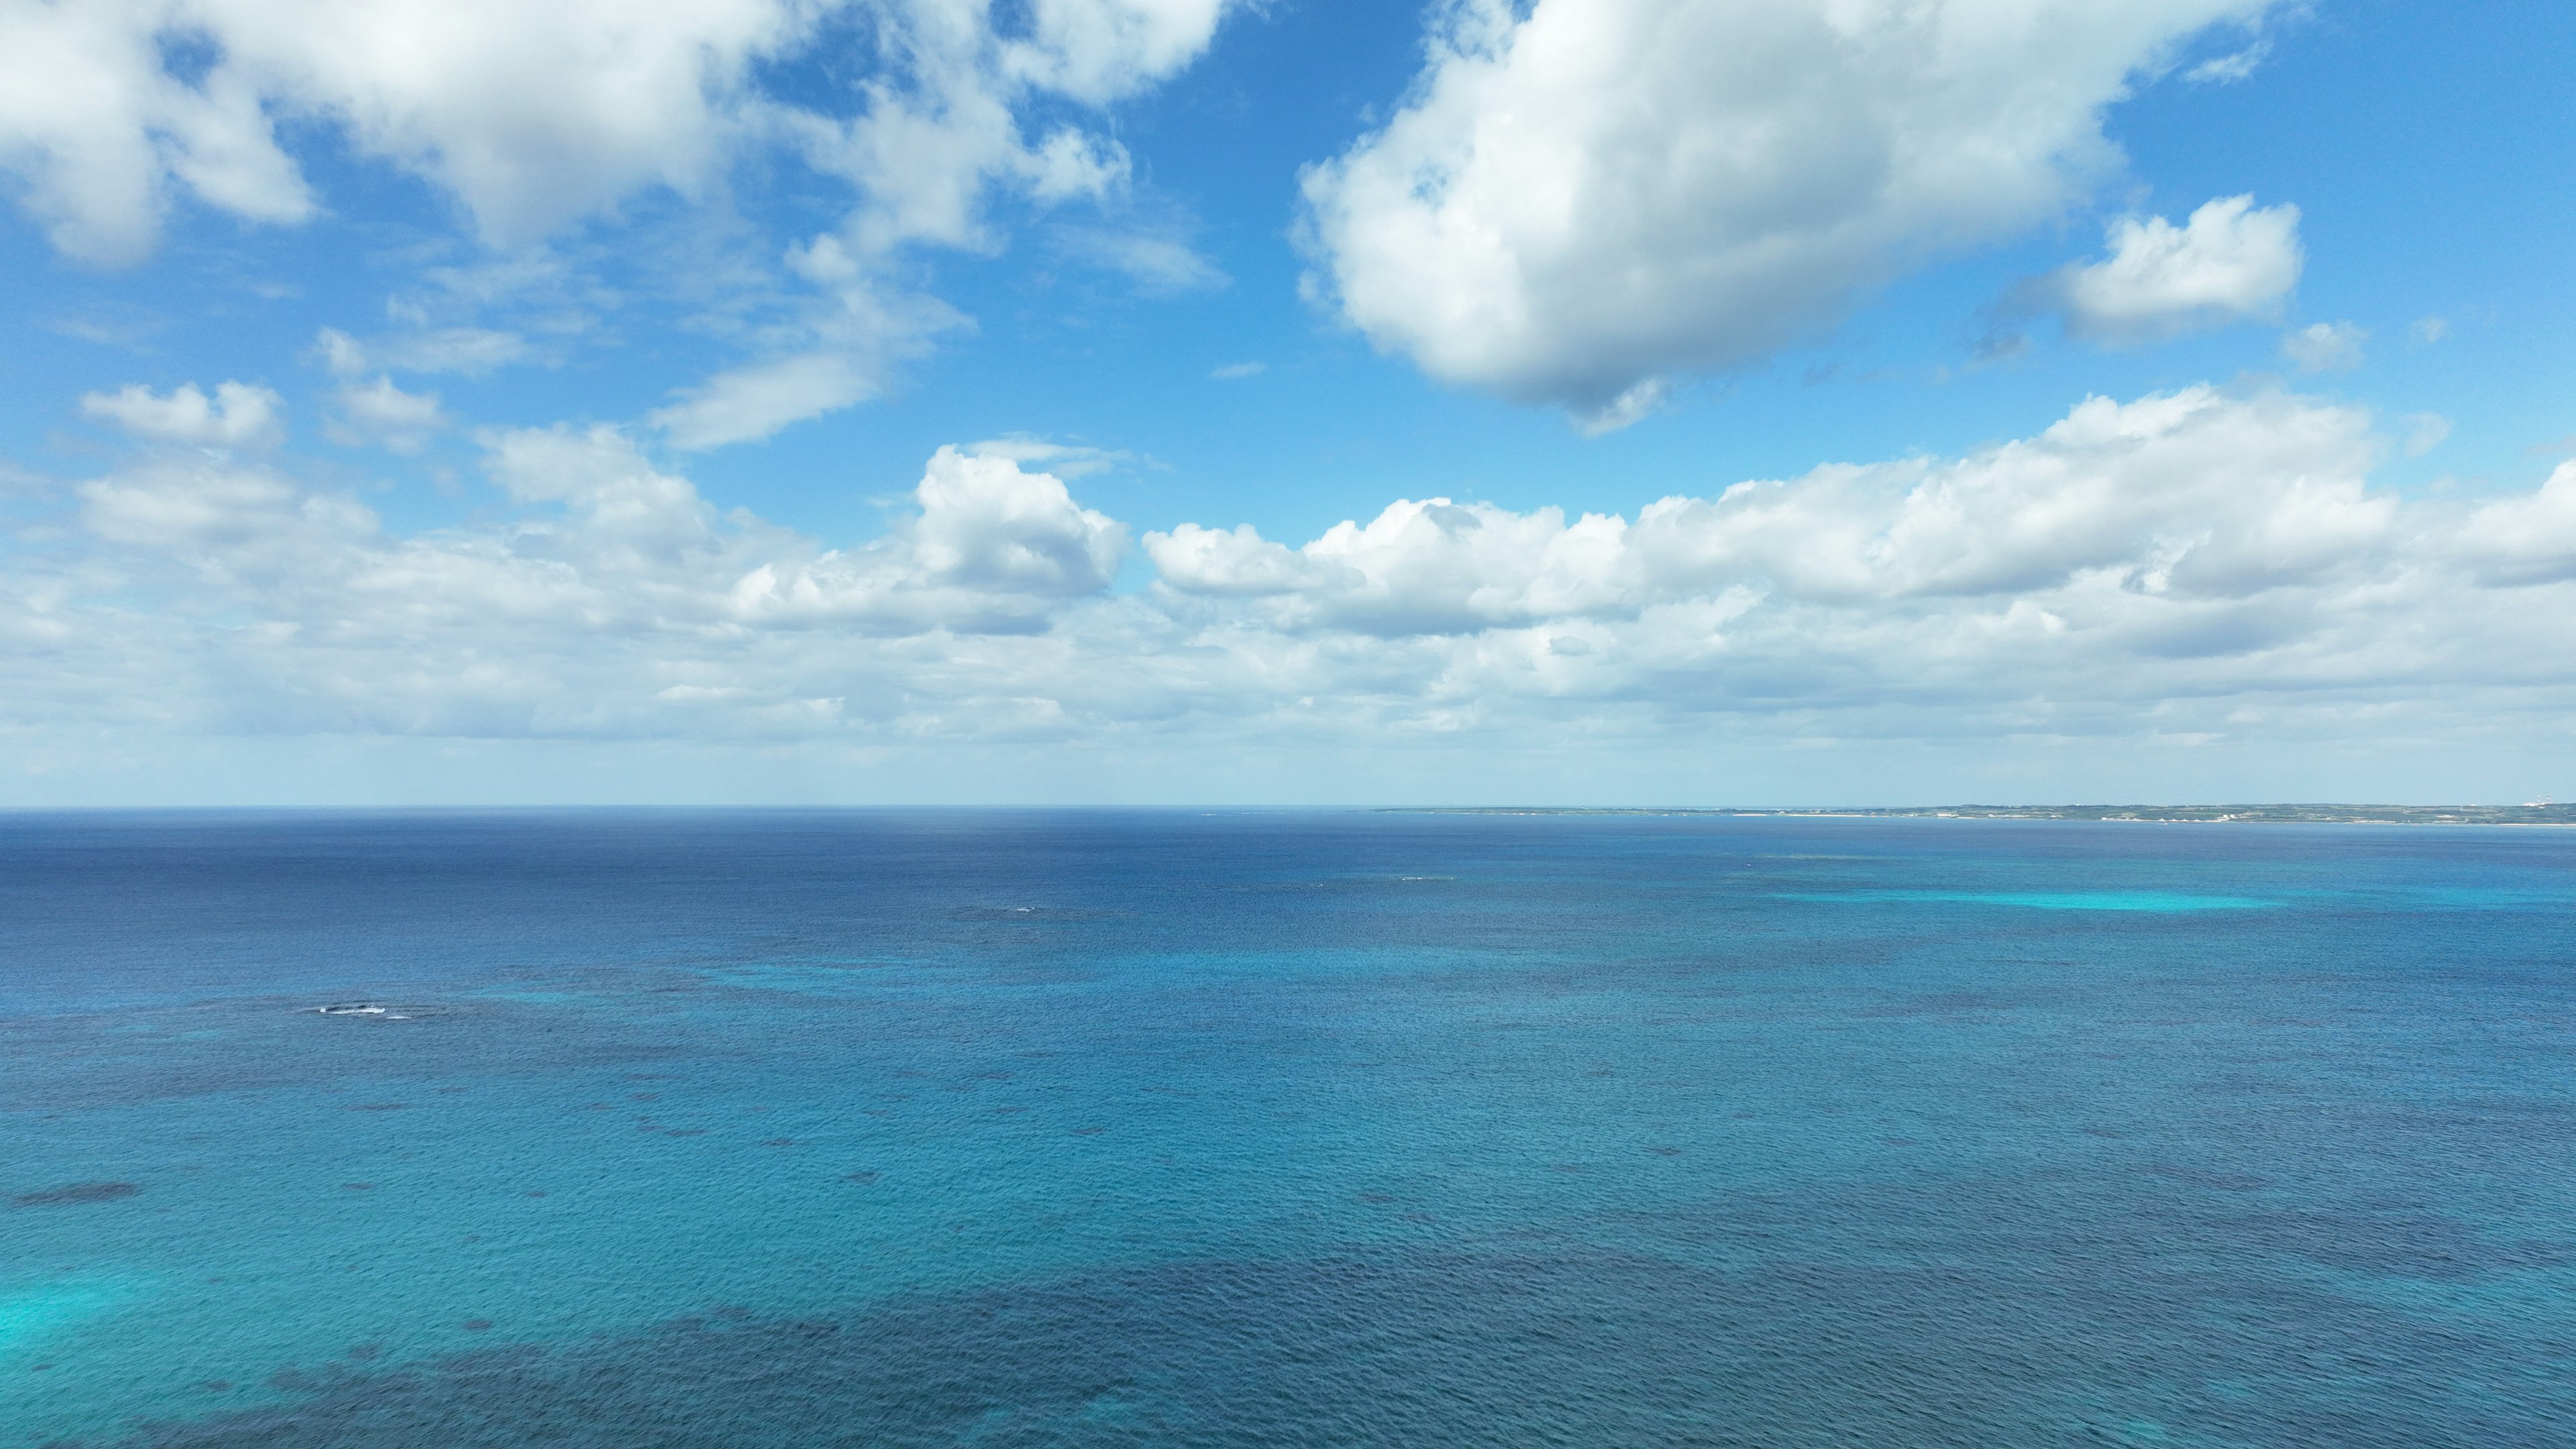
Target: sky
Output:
[(1286, 402)]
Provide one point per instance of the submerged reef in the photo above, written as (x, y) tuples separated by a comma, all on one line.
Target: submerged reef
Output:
[(76, 1192)]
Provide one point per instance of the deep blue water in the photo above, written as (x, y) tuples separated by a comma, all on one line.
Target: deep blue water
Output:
[(1283, 1130)]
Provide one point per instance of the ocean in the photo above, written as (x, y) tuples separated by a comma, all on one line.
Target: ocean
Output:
[(633, 1130)]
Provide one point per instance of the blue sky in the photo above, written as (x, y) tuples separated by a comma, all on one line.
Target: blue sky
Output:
[(782, 400)]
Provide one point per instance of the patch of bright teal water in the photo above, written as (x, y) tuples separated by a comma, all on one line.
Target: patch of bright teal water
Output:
[(29, 1320), (885, 1129), (2161, 902)]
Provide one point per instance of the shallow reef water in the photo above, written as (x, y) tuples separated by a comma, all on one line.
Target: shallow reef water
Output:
[(1064, 1128)]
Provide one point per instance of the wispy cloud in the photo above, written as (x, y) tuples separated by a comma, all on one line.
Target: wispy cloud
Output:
[(2325, 346), (2232, 67), (238, 415)]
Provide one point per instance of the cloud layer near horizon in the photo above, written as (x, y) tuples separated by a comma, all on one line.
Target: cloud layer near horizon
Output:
[(2194, 564)]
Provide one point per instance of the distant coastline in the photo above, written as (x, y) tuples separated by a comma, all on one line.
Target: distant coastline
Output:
[(2535, 814)]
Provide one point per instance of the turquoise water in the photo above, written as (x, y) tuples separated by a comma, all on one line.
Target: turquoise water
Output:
[(1068, 1129), (2159, 901)]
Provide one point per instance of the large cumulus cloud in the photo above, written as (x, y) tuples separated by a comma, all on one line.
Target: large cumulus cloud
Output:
[(1587, 198)]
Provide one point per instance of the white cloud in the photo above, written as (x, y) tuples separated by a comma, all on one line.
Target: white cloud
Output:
[(2190, 495), (986, 523), (537, 116), (470, 351), (1237, 371), (237, 416), (1160, 264), (1238, 563), (851, 339), (532, 116), (1627, 409), (618, 501), (341, 353), (381, 404), (922, 155), (94, 129), (2193, 564), (1064, 460), (2528, 539), (2232, 67), (2325, 346), (1099, 51), (613, 602), (535, 119), (382, 412), (994, 549), (2230, 261), (2429, 330), (942, 126), (753, 402), (1596, 194)]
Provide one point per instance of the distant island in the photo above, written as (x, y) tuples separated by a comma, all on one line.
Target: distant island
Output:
[(2538, 813)]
